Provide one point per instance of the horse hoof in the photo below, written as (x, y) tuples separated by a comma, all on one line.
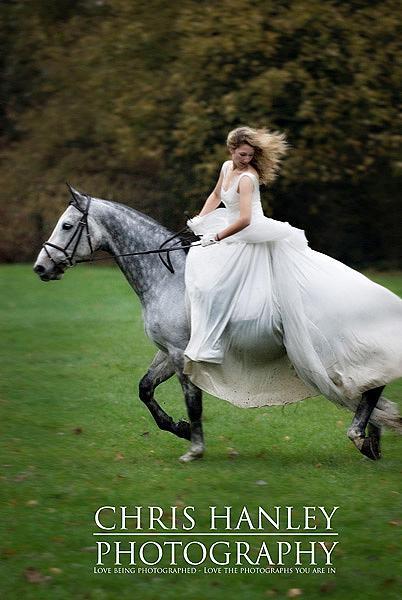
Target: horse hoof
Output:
[(191, 455), (183, 430), (371, 448)]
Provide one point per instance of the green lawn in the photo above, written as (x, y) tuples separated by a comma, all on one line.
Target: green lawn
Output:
[(75, 437)]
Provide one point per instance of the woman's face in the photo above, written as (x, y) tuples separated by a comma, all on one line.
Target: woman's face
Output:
[(242, 156)]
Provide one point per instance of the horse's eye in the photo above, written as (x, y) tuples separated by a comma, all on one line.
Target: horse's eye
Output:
[(66, 226)]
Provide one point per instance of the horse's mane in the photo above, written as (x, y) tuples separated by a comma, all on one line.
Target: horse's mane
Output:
[(140, 216), (135, 214)]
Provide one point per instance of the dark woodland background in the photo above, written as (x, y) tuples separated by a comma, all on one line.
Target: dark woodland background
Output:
[(132, 101)]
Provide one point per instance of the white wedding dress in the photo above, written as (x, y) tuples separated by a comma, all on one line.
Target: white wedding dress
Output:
[(273, 322)]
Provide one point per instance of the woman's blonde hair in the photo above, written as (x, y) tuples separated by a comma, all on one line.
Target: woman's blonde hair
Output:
[(269, 148)]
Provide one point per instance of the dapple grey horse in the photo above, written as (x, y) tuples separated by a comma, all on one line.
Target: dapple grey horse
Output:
[(91, 224)]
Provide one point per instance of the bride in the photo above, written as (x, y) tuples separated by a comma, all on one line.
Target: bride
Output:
[(273, 321)]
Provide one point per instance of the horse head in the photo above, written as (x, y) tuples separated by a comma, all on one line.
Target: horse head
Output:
[(73, 239)]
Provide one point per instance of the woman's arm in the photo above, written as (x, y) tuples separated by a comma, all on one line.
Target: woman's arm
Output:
[(214, 199), (246, 192)]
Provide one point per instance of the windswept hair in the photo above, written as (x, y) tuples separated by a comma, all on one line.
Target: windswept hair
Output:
[(269, 148)]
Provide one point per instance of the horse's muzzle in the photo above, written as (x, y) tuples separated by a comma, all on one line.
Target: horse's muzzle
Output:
[(55, 273)]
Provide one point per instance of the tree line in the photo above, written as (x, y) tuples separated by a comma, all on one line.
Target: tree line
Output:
[(132, 101)]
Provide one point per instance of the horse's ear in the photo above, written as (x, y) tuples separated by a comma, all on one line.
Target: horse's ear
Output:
[(78, 199)]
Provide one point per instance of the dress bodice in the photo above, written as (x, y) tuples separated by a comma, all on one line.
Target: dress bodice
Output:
[(231, 197)]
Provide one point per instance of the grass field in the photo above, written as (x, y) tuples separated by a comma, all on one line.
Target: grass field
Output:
[(75, 437)]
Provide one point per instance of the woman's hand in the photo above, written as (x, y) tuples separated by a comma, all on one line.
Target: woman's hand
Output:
[(208, 239), (193, 222)]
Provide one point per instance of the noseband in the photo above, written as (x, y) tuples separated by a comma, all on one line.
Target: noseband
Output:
[(76, 236)]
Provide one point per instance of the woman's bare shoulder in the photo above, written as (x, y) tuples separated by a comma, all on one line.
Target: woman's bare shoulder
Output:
[(250, 171), (253, 171)]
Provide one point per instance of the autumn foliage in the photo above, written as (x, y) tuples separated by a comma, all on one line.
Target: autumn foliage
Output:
[(132, 101)]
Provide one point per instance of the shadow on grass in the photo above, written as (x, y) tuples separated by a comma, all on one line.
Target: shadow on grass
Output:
[(277, 456)]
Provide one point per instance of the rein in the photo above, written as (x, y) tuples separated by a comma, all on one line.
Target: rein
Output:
[(83, 225), (157, 251)]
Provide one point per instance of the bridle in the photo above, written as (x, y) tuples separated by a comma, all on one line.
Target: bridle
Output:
[(76, 236), (83, 225)]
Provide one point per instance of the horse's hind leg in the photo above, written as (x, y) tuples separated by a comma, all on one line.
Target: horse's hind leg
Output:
[(367, 445), (160, 370)]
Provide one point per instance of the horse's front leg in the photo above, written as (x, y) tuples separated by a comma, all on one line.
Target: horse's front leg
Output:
[(160, 370), (368, 445), (193, 398)]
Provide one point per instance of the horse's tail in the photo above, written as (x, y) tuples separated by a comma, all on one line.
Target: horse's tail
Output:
[(386, 414)]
